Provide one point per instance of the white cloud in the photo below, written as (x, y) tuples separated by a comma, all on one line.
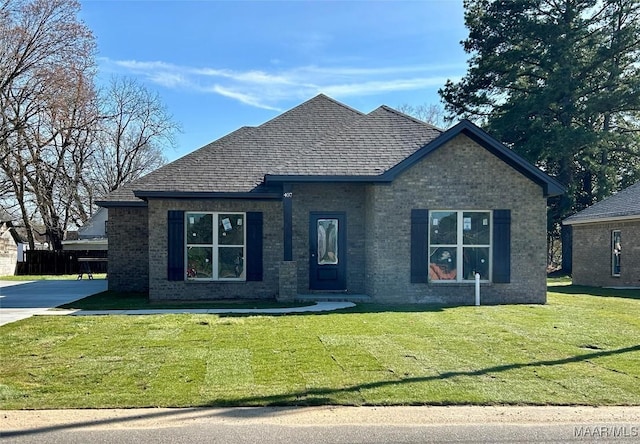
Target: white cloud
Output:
[(244, 98), (269, 89), (373, 87)]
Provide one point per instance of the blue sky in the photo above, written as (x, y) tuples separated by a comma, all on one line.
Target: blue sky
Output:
[(220, 65)]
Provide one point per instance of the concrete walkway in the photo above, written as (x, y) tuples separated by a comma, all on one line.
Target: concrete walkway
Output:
[(318, 307), (21, 300)]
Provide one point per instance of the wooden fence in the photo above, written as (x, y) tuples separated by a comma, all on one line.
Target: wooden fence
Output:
[(38, 262)]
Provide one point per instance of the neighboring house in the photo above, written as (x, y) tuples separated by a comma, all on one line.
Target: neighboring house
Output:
[(11, 245), (89, 245), (92, 236), (326, 199), (604, 241)]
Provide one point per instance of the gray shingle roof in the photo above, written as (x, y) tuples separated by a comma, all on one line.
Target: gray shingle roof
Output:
[(320, 138), (239, 161), (371, 145), (624, 204)]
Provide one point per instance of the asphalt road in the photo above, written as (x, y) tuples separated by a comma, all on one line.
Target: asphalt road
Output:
[(20, 300), (339, 425)]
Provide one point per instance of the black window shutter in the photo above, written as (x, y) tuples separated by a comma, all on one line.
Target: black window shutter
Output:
[(502, 246), (419, 246), (253, 257), (175, 246)]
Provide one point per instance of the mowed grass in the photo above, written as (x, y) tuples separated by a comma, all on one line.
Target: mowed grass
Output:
[(580, 348)]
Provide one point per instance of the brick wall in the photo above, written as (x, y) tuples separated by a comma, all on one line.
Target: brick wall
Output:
[(348, 198), (592, 251), (161, 288), (459, 176), (128, 265)]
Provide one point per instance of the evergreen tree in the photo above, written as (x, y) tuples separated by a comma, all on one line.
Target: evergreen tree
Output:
[(559, 82)]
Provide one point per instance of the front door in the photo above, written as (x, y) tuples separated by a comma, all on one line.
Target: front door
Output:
[(327, 251)]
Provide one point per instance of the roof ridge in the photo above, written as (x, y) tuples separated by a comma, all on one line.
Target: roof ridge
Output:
[(315, 98), (354, 126)]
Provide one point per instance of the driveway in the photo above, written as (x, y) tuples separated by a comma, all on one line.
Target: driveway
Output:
[(20, 300)]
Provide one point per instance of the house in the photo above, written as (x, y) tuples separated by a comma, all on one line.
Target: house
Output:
[(90, 244), (604, 240), (326, 199), (11, 245), (91, 236)]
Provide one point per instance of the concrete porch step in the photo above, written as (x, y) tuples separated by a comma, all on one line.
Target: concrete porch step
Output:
[(333, 297)]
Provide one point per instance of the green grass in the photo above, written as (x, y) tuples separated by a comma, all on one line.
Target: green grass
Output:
[(50, 277), (580, 348), (110, 300)]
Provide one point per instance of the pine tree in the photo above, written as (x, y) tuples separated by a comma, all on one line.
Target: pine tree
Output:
[(559, 82)]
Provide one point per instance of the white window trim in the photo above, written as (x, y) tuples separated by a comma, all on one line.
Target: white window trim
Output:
[(459, 245), (215, 246)]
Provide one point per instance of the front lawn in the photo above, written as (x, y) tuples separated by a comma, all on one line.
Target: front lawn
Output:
[(578, 349)]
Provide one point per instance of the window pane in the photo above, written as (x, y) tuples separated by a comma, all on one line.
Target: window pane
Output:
[(442, 264), (443, 227), (199, 228), (199, 263), (475, 260), (231, 229), (616, 240), (475, 228), (327, 241), (230, 262)]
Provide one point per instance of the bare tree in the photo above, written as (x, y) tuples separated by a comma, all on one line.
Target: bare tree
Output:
[(58, 148), (430, 113), (61, 143), (44, 51), (135, 129)]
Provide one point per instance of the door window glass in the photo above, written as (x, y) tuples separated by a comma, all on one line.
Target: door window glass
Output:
[(327, 241)]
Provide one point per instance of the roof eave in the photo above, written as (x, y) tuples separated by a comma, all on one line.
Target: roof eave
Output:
[(301, 178), (600, 219), (120, 203), (142, 194)]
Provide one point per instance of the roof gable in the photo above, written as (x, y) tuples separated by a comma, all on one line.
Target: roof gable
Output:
[(551, 187)]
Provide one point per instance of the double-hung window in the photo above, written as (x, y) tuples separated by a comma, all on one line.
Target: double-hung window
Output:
[(459, 245), (215, 246)]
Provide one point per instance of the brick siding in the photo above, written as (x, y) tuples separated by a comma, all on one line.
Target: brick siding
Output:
[(458, 176), (161, 288), (348, 198), (592, 251), (128, 266)]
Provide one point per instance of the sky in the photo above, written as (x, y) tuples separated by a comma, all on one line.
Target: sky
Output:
[(221, 65)]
